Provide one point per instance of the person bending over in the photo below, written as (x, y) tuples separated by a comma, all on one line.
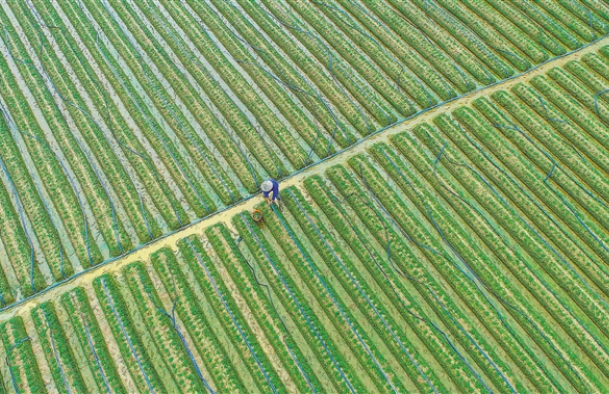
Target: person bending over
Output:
[(270, 191)]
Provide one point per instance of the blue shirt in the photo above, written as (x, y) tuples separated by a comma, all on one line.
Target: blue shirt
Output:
[(275, 190)]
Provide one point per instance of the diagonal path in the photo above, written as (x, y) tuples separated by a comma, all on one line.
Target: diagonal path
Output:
[(24, 307)]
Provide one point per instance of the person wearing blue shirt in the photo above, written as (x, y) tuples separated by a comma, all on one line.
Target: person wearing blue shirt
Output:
[(270, 190)]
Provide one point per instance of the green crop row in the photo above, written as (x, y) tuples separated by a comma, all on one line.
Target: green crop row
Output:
[(231, 316), (409, 177), (129, 342), (157, 187), (99, 202), (20, 359), (91, 340), (112, 161), (260, 305), (254, 141), (197, 323), (269, 121), (158, 321), (312, 329), (171, 113), (57, 351), (371, 308), (171, 160), (385, 277)]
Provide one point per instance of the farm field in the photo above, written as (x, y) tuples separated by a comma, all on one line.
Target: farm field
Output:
[(125, 121), (464, 250)]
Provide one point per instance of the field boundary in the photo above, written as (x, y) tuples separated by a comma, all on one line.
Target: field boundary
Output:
[(24, 306)]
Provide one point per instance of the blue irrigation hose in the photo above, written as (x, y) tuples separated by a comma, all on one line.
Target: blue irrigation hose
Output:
[(230, 313), (436, 252), (197, 62), (120, 322), (150, 123), (470, 274), (90, 341), (341, 311), (285, 327), (10, 368), (545, 181), (300, 308), (181, 126), (392, 285), (428, 288), (90, 117), (532, 271), (291, 86), (505, 302), (175, 326), (142, 156), (97, 174), (59, 160), (320, 42), (55, 354), (365, 296)]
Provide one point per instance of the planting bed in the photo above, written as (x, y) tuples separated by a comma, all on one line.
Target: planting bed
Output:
[(127, 120), (467, 253), (463, 250)]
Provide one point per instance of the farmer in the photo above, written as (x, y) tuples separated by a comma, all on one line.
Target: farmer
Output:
[(270, 186)]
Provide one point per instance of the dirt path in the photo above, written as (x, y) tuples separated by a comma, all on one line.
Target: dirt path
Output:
[(24, 307)]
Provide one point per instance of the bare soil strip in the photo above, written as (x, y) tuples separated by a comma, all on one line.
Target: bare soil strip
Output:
[(24, 307)]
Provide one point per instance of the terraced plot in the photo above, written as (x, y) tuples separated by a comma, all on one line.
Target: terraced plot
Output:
[(467, 253), (126, 120)]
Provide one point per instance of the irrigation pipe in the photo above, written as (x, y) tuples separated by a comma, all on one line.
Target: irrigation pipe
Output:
[(122, 327), (479, 282), (331, 56), (290, 85), (197, 62), (294, 175), (10, 369), (174, 324), (300, 308), (449, 260), (545, 181), (501, 299), (56, 354), (90, 342), (140, 155), (431, 291), (336, 304), (44, 73), (543, 282), (230, 313), (88, 115), (390, 282), (529, 268), (368, 301), (285, 327), (148, 120)]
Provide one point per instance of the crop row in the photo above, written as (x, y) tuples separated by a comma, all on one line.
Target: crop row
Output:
[(431, 262), (123, 121)]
